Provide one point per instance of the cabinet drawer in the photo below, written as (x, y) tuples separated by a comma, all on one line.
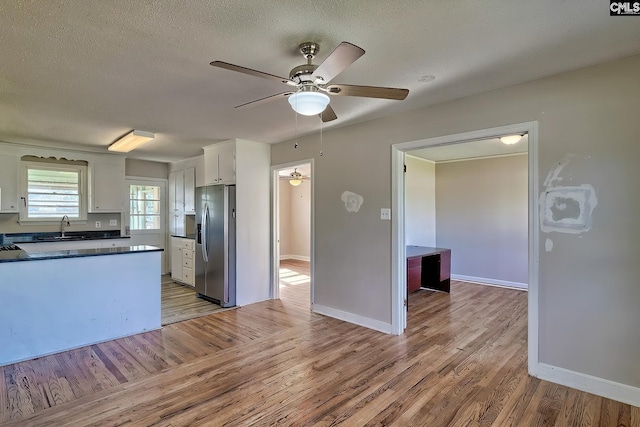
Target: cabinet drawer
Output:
[(187, 244), (187, 254), (187, 276), (187, 263)]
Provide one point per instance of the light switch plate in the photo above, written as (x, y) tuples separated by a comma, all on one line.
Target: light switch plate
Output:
[(113, 222), (385, 213), (98, 224)]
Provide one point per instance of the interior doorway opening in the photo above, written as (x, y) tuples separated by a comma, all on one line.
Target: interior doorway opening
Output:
[(292, 233), (399, 260), (466, 207)]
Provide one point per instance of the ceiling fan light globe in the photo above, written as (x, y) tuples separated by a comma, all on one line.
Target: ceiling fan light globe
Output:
[(309, 103), (295, 182), (511, 139)]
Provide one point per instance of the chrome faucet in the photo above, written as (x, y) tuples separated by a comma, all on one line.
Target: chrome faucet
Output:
[(63, 224)]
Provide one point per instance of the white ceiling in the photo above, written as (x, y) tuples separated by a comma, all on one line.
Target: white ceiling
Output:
[(84, 72)]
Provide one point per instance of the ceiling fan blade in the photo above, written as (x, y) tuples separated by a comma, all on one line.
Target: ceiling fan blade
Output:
[(337, 61), (328, 114), (251, 72), (368, 91), (265, 99)]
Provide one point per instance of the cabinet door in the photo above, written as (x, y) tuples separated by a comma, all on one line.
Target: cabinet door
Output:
[(179, 204), (107, 187), (190, 190), (210, 166), (172, 193), (227, 164), (176, 259), (8, 183)]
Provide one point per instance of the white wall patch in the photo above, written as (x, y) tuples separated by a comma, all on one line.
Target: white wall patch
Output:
[(567, 209), (548, 245), (352, 201)]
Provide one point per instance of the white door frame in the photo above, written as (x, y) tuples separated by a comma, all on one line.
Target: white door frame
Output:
[(398, 257), (275, 228)]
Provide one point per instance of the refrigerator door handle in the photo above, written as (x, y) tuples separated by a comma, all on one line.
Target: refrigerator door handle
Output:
[(205, 233)]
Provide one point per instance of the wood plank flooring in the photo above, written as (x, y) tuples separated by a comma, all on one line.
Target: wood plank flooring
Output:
[(179, 303), (461, 362)]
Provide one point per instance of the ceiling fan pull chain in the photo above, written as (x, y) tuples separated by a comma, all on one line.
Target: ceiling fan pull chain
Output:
[(296, 130), (321, 146)]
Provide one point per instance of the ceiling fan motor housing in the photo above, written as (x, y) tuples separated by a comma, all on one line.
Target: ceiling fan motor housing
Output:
[(302, 73)]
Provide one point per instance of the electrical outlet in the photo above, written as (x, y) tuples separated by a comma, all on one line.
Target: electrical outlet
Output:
[(98, 224), (113, 222), (385, 213)]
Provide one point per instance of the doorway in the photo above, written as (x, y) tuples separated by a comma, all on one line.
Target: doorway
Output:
[(145, 217), (398, 245), (292, 233), (469, 198)]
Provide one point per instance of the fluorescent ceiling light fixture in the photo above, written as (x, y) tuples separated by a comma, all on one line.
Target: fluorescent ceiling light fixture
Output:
[(511, 139), (309, 103), (131, 141), (295, 178)]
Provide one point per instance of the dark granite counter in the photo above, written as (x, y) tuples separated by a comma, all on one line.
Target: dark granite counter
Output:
[(21, 255), (186, 236)]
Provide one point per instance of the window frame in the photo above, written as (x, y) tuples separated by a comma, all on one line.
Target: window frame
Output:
[(159, 213), (82, 171)]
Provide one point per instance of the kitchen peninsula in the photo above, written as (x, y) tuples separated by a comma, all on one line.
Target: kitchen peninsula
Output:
[(59, 300)]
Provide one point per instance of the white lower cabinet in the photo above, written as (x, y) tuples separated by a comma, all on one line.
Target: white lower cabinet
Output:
[(182, 254)]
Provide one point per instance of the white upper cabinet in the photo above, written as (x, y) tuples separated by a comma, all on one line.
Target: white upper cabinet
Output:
[(190, 191), (181, 199), (8, 183), (219, 163), (106, 187)]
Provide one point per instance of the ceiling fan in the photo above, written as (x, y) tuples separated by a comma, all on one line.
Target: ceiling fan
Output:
[(295, 178), (309, 83)]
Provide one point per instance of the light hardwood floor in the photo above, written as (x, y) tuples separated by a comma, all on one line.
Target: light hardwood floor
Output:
[(179, 303), (461, 362)]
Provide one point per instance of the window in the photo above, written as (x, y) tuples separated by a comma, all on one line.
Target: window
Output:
[(54, 190), (144, 210)]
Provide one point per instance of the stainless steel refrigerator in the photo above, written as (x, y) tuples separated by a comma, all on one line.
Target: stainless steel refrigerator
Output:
[(215, 259)]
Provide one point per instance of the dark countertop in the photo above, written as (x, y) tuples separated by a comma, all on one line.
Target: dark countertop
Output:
[(70, 236), (420, 251), (187, 236), (12, 256)]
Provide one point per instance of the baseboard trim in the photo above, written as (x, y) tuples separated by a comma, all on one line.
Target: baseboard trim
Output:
[(353, 318), (296, 257), (598, 386), (490, 282)]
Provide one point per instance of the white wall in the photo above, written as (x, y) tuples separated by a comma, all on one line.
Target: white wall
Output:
[(253, 224), (295, 220), (284, 210), (145, 168), (420, 202), (482, 212), (588, 291)]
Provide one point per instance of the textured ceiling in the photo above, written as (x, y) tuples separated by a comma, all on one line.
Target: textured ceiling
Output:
[(84, 72)]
